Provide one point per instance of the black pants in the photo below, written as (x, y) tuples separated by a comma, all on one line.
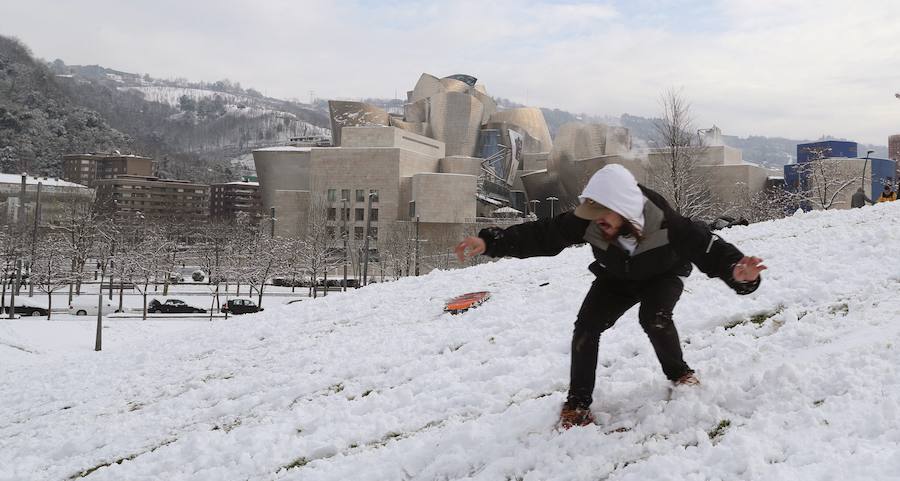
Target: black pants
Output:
[(606, 301)]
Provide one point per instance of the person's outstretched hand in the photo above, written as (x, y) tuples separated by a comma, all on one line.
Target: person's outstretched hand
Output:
[(469, 247), (748, 269)]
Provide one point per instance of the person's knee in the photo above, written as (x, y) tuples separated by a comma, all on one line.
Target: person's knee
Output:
[(657, 320)]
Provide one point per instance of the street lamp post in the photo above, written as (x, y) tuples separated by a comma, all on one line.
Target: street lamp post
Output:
[(417, 246), (366, 242), (865, 164), (272, 223), (34, 233), (551, 199), (344, 214), (534, 203)]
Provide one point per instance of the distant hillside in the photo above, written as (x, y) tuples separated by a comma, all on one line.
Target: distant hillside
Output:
[(196, 130), (39, 121)]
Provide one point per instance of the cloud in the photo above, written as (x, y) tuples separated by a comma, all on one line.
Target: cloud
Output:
[(796, 68)]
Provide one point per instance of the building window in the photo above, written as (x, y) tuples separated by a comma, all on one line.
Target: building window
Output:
[(373, 233), (345, 195), (360, 195), (360, 214), (345, 213), (330, 232), (358, 233), (373, 214), (332, 213), (374, 194), (412, 209), (332, 195)]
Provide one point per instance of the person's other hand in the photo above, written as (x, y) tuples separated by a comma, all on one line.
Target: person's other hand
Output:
[(748, 269), (469, 247)]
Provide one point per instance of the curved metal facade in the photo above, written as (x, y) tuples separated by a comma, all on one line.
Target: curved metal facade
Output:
[(353, 114), (531, 120), (455, 119)]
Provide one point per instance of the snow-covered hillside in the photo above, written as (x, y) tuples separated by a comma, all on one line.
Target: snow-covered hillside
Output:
[(800, 380)]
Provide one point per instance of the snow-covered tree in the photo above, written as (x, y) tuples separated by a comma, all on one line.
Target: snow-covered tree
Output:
[(674, 172), (50, 268), (825, 181)]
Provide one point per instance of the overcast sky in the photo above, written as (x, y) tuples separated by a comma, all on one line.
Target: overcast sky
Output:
[(792, 68)]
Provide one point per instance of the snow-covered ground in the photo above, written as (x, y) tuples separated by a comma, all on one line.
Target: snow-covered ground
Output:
[(800, 379)]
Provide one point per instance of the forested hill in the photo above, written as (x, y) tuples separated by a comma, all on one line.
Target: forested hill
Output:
[(39, 122), (194, 130)]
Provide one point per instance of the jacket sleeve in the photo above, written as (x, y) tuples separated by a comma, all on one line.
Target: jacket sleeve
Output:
[(709, 252), (545, 237)]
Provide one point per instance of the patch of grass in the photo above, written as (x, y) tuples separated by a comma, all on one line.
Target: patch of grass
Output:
[(297, 463), (336, 388), (756, 319), (89, 471), (843, 309), (720, 429)]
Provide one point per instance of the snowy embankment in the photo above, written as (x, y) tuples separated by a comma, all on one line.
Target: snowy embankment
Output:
[(800, 380)]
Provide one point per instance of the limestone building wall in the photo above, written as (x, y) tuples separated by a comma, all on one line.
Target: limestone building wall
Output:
[(281, 168), (444, 198)]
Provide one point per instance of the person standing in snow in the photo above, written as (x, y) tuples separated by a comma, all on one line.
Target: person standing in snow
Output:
[(859, 199), (642, 249), (888, 194)]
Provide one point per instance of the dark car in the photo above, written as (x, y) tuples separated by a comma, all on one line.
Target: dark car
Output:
[(27, 310), (172, 306), (240, 306)]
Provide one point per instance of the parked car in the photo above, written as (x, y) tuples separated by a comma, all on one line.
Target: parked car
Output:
[(27, 307), (198, 276), (172, 306), (87, 306), (240, 305), (175, 277)]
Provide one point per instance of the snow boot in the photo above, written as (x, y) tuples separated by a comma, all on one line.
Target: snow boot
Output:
[(687, 379), (575, 415)]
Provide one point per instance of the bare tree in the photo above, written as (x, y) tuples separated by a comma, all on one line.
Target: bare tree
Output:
[(11, 249), (824, 181), (318, 245), (763, 205), (398, 248), (674, 171), (50, 271), (145, 259), (79, 225)]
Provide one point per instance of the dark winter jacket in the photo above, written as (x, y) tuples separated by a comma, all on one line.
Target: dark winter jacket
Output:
[(669, 244)]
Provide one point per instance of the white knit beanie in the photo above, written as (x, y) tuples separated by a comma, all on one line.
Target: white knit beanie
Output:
[(614, 187)]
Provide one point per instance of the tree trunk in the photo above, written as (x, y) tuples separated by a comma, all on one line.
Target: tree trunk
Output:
[(121, 294)]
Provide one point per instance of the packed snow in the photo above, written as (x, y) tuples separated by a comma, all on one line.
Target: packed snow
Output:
[(800, 379)]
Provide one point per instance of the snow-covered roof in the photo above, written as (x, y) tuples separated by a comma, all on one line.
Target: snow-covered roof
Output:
[(507, 210), (487, 199), (284, 148), (31, 180)]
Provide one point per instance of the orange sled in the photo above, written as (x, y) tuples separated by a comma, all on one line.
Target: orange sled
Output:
[(466, 301)]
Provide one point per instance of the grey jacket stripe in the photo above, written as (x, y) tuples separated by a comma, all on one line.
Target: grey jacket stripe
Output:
[(654, 235)]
